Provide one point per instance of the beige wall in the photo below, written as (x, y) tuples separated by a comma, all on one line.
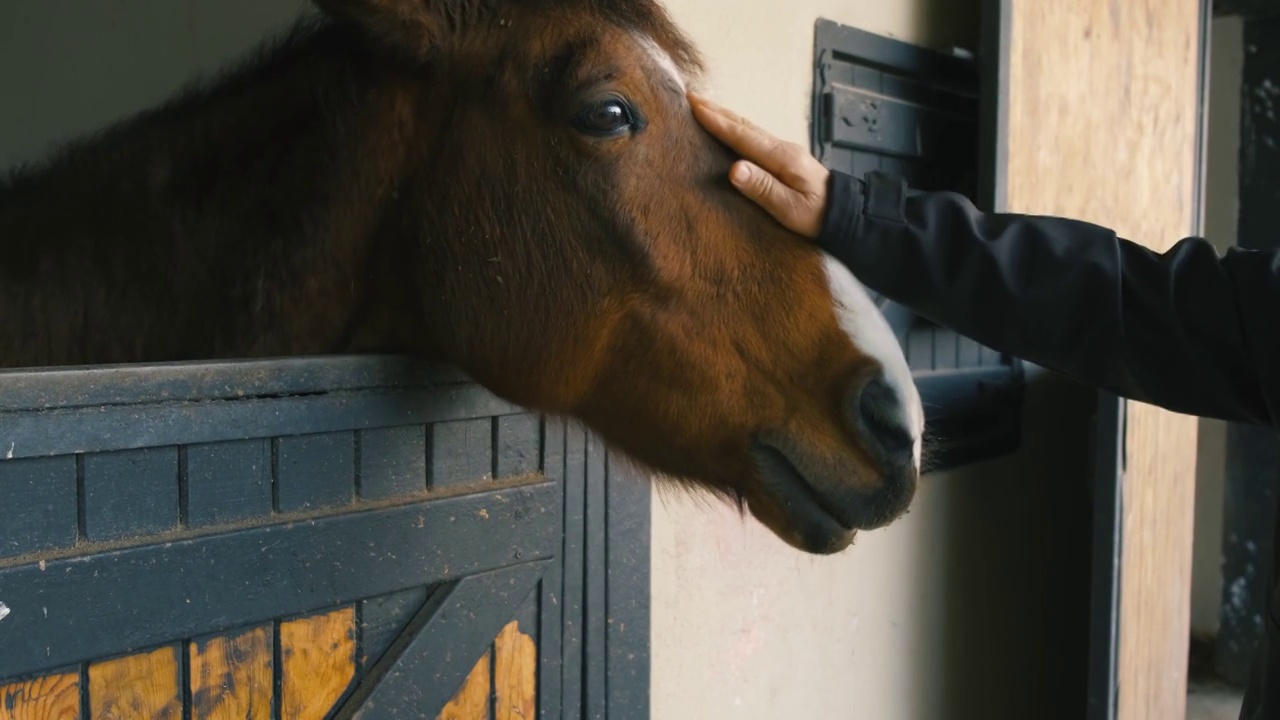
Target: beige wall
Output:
[(946, 614)]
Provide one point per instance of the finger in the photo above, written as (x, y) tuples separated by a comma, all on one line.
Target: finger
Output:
[(766, 191), (712, 106), (739, 133), (709, 112), (747, 140), (784, 160)]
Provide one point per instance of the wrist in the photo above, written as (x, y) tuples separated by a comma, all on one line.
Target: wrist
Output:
[(846, 197)]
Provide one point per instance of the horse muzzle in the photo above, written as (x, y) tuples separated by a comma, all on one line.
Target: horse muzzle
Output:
[(825, 498)]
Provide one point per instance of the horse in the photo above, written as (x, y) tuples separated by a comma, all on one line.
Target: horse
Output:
[(517, 189)]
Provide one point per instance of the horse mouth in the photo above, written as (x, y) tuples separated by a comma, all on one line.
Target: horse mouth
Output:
[(813, 526)]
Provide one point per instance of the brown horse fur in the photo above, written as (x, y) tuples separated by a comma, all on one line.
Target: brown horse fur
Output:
[(433, 177)]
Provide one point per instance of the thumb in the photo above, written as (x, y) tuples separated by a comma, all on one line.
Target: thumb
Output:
[(765, 189), (752, 180), (758, 184)]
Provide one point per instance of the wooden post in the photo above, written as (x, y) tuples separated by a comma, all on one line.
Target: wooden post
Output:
[(1104, 126)]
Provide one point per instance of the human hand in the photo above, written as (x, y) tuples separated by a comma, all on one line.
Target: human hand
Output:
[(781, 177)]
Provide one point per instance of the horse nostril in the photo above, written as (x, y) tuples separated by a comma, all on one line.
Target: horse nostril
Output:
[(880, 417)]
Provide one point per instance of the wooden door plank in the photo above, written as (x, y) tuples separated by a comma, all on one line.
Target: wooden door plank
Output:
[(238, 579), (227, 482), (232, 677), (551, 597), (39, 505), (515, 674), (54, 697), (461, 453), (112, 427), (472, 700), (317, 663), (518, 445), (48, 388), (628, 582), (573, 593), (145, 686), (130, 492), (383, 618), (595, 612), (315, 471), (430, 661), (393, 462)]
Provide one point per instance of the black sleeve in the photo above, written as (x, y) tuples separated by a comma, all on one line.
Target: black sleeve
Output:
[(1187, 330)]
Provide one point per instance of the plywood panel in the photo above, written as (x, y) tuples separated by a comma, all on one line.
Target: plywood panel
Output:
[(231, 677), (143, 686), (472, 700), (1103, 110), (317, 663), (515, 680), (56, 697)]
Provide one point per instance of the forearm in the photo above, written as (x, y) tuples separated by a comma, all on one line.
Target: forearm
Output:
[(1064, 294)]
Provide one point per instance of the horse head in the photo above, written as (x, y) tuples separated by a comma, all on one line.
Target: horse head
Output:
[(578, 249)]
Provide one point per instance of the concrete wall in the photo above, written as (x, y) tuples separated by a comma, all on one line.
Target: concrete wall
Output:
[(947, 614), (1221, 207)]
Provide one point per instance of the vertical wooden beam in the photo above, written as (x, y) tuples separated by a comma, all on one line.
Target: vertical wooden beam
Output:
[(1104, 123)]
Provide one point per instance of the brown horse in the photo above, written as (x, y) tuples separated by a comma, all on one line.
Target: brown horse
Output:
[(516, 188)]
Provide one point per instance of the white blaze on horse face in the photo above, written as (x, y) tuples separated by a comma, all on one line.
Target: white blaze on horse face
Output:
[(866, 327), (663, 59)]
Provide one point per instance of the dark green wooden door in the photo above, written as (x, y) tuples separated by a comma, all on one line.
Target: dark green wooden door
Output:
[(345, 537)]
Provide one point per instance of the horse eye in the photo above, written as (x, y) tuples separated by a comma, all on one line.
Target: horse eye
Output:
[(605, 118)]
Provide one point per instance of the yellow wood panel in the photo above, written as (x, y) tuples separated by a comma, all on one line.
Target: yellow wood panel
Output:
[(56, 697), (317, 661), (231, 677), (136, 687), (1102, 127), (471, 702), (515, 676)]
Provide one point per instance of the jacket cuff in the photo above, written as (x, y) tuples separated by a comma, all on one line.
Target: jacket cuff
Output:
[(878, 197), (844, 208), (886, 197)]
